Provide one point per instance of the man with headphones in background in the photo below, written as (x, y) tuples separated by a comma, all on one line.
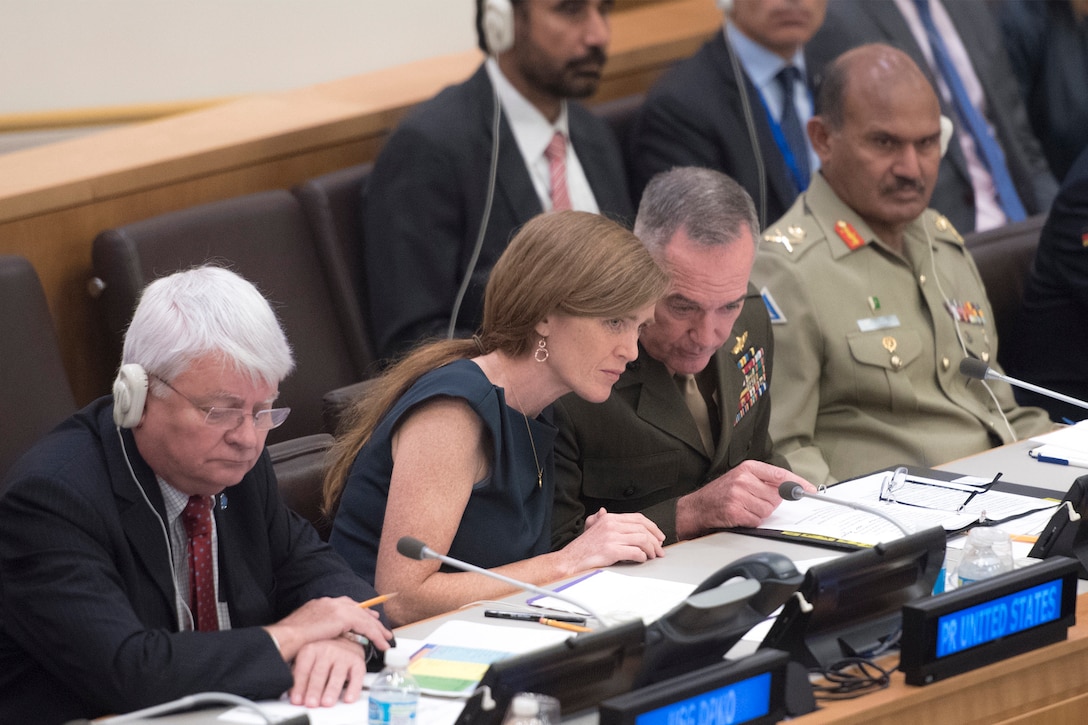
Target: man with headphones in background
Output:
[(739, 105), (146, 553), (457, 177), (873, 296)]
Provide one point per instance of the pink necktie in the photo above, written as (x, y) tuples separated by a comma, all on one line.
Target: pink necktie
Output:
[(556, 153), (197, 518)]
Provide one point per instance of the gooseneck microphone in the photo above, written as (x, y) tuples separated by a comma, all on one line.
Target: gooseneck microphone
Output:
[(975, 368), (413, 548), (793, 491)]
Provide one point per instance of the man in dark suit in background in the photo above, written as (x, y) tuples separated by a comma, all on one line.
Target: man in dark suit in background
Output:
[(696, 114), (1050, 347), (969, 184), (127, 578), (428, 193), (683, 437)]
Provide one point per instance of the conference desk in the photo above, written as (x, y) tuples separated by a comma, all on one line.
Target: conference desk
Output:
[(1048, 685), (1017, 466)]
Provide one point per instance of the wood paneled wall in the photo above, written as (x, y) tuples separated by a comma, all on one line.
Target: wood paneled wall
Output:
[(54, 199)]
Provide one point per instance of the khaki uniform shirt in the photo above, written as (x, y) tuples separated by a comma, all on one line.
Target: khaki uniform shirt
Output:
[(869, 343)]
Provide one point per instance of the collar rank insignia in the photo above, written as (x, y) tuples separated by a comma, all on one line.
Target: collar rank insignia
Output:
[(849, 235)]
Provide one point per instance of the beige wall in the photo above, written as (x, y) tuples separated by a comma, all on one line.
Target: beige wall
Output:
[(66, 54)]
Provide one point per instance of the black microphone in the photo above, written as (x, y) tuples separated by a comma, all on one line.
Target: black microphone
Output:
[(793, 491), (975, 368), (413, 548)]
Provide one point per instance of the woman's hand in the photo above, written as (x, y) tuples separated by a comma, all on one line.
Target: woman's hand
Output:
[(611, 538)]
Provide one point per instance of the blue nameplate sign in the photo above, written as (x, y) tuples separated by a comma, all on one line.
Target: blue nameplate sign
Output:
[(988, 621), (749, 690)]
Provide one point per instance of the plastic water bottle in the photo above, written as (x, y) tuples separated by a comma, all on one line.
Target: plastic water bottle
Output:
[(394, 696), (988, 553), (524, 710)]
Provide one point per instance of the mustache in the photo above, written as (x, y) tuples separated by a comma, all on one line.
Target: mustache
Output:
[(594, 56), (903, 183)]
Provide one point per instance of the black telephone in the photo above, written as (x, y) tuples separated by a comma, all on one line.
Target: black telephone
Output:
[(701, 629)]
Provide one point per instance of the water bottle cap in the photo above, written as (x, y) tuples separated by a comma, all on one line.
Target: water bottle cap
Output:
[(986, 536), (525, 706), (396, 657)]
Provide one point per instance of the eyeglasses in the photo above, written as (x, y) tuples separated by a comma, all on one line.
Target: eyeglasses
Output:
[(231, 418), (898, 488)]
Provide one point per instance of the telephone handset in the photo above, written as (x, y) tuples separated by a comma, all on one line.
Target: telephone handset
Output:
[(777, 576), (699, 630)]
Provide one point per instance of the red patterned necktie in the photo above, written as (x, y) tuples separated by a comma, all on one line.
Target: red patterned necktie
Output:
[(556, 153), (197, 518)]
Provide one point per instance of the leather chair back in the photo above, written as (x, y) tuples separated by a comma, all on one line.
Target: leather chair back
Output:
[(300, 465), (266, 238), (1003, 257), (333, 203), (35, 393)]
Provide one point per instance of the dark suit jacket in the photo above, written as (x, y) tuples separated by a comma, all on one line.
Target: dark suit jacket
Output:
[(853, 22), (693, 117), (1051, 348), (640, 449), (87, 618), (425, 201)]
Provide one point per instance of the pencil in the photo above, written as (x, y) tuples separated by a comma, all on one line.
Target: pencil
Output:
[(375, 601), (564, 625)]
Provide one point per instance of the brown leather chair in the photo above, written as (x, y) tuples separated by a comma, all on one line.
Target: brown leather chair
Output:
[(265, 237), (1003, 257), (35, 393), (300, 472), (333, 205)]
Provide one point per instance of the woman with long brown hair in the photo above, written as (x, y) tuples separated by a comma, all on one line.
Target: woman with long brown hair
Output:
[(451, 445)]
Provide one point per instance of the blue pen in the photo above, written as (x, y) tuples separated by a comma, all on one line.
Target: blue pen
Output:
[(1061, 461)]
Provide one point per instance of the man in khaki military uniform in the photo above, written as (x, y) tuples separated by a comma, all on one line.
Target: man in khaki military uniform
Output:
[(873, 297)]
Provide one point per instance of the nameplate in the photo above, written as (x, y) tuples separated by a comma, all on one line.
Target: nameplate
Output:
[(749, 690), (988, 621)]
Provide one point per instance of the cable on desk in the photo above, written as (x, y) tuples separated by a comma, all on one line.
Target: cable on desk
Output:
[(849, 678)]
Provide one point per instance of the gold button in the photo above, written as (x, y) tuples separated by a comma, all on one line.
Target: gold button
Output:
[(945, 363), (921, 279), (896, 362)]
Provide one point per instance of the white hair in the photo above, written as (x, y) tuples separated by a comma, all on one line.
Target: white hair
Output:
[(207, 311)]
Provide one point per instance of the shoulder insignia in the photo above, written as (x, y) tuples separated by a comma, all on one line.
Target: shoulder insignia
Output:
[(778, 237), (941, 224), (1084, 239), (773, 310), (742, 340), (849, 235)]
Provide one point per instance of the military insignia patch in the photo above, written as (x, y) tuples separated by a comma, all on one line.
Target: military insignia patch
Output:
[(849, 235), (755, 381), (777, 318)]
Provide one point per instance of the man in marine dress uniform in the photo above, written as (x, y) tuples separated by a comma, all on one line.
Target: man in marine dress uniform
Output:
[(683, 437)]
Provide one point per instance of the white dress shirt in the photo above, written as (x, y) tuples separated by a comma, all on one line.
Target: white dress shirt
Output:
[(533, 132)]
